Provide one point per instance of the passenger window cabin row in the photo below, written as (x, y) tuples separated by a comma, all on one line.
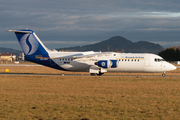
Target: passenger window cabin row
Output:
[(136, 60), (66, 59)]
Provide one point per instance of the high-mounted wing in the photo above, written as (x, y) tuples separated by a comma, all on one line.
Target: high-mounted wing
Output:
[(101, 54), (84, 56)]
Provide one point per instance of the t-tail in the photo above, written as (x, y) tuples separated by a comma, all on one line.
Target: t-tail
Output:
[(31, 45), (34, 49)]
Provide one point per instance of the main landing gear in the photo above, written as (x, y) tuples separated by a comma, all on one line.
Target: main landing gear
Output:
[(94, 74)]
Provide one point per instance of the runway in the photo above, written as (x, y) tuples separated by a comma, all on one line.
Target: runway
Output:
[(85, 75), (20, 65), (78, 75)]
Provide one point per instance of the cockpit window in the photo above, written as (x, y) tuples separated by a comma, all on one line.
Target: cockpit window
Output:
[(158, 60)]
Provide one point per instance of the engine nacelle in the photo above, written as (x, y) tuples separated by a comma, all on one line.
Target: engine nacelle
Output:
[(107, 63)]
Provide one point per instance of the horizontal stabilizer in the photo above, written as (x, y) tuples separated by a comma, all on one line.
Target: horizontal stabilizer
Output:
[(19, 31)]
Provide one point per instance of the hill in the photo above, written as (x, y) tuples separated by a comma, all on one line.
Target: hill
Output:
[(118, 43), (9, 50)]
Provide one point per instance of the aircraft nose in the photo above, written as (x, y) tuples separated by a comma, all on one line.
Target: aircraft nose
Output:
[(174, 67), (171, 67)]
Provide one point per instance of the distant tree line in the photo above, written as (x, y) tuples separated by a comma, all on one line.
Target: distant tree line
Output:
[(171, 54)]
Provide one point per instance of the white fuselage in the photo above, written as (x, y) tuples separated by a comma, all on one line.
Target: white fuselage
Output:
[(126, 62)]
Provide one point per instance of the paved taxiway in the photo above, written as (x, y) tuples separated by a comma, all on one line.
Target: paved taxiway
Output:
[(29, 74), (19, 65)]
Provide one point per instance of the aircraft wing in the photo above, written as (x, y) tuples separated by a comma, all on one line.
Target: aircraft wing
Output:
[(78, 57), (93, 55)]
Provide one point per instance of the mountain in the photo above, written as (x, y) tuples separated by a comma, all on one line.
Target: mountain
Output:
[(9, 50), (118, 43)]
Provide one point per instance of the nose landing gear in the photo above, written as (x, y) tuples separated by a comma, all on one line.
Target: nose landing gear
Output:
[(163, 74)]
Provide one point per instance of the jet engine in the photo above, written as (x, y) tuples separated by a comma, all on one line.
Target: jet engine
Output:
[(107, 63)]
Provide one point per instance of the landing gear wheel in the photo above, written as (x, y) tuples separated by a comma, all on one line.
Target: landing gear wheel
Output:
[(93, 74), (100, 74), (164, 74)]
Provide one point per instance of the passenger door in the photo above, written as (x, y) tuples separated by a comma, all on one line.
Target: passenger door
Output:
[(147, 61)]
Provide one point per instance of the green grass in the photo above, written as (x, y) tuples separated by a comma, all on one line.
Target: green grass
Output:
[(90, 98)]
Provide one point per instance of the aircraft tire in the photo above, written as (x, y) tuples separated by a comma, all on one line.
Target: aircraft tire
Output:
[(100, 74), (163, 74), (93, 74)]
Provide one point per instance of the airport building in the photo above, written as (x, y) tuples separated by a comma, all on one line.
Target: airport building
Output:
[(7, 57)]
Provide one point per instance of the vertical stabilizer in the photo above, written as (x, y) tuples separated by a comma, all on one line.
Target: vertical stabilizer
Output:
[(34, 49), (30, 43)]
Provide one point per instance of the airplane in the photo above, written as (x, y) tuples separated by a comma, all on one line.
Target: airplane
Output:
[(96, 63)]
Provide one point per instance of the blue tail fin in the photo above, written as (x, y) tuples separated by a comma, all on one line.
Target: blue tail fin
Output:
[(34, 49), (30, 43)]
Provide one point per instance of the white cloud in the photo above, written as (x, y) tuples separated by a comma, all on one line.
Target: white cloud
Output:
[(158, 29), (168, 43), (92, 19)]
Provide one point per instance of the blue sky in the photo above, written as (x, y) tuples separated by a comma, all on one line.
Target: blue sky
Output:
[(61, 23)]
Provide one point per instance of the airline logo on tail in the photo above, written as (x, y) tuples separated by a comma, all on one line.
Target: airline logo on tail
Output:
[(29, 43)]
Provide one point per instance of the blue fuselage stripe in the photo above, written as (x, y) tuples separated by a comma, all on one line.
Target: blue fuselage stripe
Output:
[(48, 63)]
